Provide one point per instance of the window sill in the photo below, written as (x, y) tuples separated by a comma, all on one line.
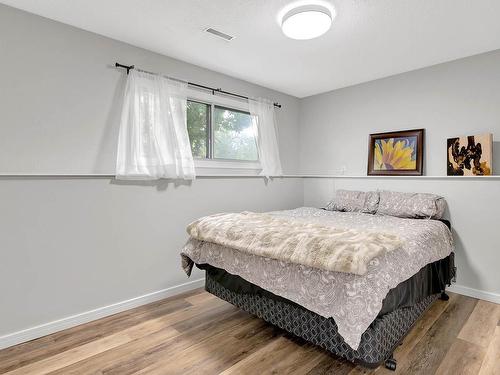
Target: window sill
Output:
[(225, 167)]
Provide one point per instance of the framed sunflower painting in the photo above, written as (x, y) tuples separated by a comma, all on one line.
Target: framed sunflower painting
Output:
[(396, 153)]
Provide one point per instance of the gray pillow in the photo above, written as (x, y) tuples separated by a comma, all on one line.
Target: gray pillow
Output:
[(354, 201), (411, 205)]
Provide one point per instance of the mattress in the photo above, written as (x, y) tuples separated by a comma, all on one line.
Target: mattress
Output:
[(431, 279)]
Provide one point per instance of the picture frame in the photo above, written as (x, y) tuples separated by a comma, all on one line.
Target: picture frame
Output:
[(397, 153), (470, 155)]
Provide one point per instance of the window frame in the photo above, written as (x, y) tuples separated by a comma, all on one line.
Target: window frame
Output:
[(211, 162)]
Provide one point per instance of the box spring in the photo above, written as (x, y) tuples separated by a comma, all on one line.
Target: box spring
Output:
[(377, 343)]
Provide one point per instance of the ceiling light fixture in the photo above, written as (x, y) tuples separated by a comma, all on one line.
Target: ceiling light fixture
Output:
[(307, 21)]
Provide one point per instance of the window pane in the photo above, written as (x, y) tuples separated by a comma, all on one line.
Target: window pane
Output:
[(197, 124), (234, 136)]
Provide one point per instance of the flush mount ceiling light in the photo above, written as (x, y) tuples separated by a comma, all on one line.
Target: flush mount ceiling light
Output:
[(307, 21)]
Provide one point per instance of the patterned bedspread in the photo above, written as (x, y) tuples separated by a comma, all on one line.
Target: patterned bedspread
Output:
[(353, 301)]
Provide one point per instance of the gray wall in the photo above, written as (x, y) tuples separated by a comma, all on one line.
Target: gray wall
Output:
[(72, 245), (456, 98), (69, 246), (61, 96)]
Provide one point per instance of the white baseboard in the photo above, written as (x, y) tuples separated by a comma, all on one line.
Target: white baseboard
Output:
[(487, 296), (101, 312)]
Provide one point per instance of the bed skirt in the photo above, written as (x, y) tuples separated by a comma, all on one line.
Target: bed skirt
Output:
[(377, 343)]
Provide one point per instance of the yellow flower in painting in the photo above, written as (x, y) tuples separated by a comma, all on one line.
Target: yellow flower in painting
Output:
[(394, 155)]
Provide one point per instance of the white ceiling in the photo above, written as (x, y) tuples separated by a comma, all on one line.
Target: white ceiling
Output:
[(369, 39)]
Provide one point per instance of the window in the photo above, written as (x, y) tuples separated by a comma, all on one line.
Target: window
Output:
[(220, 133), (198, 119)]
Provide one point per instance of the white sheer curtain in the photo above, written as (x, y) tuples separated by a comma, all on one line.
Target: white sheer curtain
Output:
[(153, 142), (264, 120)]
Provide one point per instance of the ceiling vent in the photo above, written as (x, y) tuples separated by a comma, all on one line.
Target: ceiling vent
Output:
[(219, 34)]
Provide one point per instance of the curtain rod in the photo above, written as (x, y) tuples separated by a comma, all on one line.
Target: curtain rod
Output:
[(13, 176), (213, 89)]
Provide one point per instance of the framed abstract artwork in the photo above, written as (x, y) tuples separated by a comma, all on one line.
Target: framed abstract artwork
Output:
[(396, 153), (470, 156)]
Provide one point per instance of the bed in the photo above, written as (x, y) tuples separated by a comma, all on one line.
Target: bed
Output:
[(361, 318)]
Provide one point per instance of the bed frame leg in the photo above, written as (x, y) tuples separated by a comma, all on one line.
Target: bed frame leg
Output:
[(444, 296), (391, 364)]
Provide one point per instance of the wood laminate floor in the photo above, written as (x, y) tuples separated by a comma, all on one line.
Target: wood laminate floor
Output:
[(196, 333)]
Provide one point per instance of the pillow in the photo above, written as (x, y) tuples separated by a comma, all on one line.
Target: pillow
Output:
[(411, 205), (354, 201)]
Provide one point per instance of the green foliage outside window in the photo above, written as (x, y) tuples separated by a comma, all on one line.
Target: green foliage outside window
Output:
[(197, 124), (234, 135), (233, 132)]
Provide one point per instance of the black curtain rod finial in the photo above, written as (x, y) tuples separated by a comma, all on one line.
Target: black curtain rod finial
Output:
[(118, 65)]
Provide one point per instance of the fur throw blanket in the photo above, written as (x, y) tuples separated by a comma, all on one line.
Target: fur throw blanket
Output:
[(294, 240)]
